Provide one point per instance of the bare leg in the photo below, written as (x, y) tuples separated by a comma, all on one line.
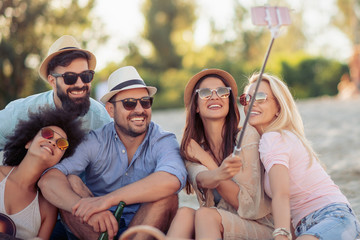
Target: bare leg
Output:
[(208, 224), (158, 214), (183, 224), (80, 230)]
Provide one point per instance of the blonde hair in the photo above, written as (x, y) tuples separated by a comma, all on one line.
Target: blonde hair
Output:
[(289, 117)]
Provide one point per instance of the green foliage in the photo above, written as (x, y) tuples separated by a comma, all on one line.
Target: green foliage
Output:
[(313, 76), (307, 76), (172, 84), (168, 33), (347, 20), (166, 22), (28, 28)]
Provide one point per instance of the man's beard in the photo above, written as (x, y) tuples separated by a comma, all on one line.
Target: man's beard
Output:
[(79, 106), (130, 131)]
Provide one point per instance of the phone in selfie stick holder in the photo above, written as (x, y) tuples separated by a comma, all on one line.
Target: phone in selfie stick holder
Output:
[(274, 18)]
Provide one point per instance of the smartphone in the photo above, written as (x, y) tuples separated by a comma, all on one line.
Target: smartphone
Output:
[(273, 16)]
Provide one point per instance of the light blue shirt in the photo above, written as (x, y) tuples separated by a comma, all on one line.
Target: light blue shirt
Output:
[(96, 117), (104, 158)]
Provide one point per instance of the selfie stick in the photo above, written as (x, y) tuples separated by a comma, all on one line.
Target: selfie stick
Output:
[(274, 29)]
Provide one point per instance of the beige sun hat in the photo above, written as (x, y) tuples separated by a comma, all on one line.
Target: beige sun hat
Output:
[(125, 78), (63, 44), (192, 82)]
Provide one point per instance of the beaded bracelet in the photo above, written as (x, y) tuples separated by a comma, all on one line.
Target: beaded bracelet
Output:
[(283, 232)]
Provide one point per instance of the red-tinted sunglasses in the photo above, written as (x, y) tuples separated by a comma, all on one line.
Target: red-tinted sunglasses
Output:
[(48, 133), (246, 98)]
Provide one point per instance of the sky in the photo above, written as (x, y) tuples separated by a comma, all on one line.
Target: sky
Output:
[(124, 22)]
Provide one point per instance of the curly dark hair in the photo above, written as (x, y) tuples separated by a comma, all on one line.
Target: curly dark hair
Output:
[(26, 130)]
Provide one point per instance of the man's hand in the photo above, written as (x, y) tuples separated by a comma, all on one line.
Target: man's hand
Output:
[(104, 221), (78, 186), (86, 207)]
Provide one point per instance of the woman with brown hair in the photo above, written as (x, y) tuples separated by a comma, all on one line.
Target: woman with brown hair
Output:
[(229, 188)]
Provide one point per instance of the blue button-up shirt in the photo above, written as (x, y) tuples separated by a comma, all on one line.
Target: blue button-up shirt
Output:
[(104, 158)]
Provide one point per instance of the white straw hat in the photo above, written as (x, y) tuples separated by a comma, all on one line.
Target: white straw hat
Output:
[(123, 79)]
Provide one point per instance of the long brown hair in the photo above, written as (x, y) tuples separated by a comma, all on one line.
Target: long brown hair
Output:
[(194, 128)]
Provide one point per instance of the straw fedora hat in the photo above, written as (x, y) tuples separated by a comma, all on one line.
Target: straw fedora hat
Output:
[(125, 78), (64, 44), (192, 82)]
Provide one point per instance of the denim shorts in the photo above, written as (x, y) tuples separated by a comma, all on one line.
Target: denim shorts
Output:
[(335, 221)]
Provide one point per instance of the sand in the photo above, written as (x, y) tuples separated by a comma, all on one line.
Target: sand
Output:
[(331, 125)]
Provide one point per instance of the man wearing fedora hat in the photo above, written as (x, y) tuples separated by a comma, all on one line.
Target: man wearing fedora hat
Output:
[(69, 70), (130, 159)]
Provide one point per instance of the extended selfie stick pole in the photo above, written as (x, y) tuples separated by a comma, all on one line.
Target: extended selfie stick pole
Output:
[(274, 33), (237, 148)]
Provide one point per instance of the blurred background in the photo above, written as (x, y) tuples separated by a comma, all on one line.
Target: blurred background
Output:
[(170, 40)]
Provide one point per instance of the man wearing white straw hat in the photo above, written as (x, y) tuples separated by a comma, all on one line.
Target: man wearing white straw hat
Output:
[(131, 160), (69, 70)]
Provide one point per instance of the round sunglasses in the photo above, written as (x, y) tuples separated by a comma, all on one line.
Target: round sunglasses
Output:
[(246, 98), (206, 93), (70, 78), (130, 103), (48, 133)]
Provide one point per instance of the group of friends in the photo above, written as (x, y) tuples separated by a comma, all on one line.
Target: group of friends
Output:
[(69, 160)]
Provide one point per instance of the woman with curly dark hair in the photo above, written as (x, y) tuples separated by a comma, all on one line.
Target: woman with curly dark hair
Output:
[(38, 143)]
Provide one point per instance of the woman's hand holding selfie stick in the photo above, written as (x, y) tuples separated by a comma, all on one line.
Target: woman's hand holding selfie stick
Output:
[(274, 18)]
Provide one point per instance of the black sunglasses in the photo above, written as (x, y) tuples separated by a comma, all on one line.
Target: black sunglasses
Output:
[(70, 78), (130, 103)]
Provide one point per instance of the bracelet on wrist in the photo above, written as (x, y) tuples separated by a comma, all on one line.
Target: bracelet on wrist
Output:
[(282, 232)]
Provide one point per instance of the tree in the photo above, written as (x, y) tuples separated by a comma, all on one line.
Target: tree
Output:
[(166, 25), (238, 48), (348, 19), (168, 34), (244, 54), (27, 29)]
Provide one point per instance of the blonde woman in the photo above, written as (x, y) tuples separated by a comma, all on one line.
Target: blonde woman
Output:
[(229, 189), (301, 191)]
